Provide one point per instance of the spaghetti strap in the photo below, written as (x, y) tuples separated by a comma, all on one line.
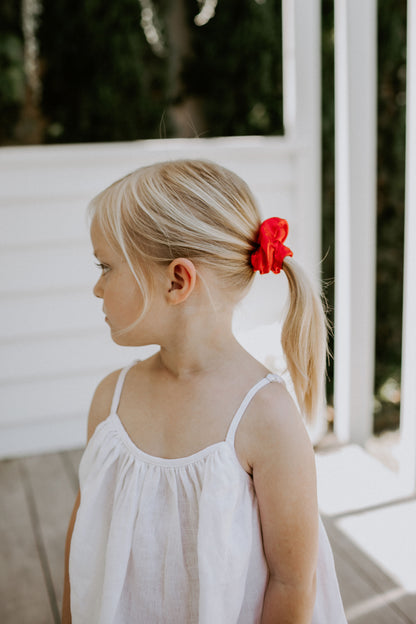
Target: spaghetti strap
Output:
[(249, 396), (119, 387)]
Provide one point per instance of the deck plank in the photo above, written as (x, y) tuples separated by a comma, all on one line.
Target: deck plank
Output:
[(72, 460), (370, 596), (23, 591), (54, 495)]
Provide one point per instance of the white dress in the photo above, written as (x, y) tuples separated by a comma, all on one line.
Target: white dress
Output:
[(175, 541)]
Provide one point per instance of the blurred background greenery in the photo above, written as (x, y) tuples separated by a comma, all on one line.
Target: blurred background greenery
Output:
[(86, 71)]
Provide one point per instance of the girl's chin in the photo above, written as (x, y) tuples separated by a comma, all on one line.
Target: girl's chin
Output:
[(117, 336), (127, 340), (121, 339)]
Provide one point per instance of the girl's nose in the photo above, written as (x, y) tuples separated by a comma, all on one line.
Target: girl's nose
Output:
[(97, 290)]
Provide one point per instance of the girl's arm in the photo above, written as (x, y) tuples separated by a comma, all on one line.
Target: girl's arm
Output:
[(99, 410), (66, 602), (284, 478)]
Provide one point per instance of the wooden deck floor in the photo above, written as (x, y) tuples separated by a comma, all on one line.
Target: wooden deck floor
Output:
[(37, 495)]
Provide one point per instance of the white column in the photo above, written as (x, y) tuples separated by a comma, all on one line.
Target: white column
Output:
[(355, 211), (408, 399), (302, 126), (302, 115)]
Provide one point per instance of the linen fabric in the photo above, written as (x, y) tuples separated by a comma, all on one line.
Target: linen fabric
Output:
[(174, 541)]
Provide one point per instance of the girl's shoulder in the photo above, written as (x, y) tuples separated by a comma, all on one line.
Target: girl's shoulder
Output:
[(274, 427), (101, 401)]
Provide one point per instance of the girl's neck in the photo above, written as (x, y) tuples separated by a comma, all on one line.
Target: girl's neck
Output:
[(202, 345), (185, 362)]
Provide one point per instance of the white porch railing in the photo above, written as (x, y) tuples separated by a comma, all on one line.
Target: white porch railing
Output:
[(355, 98)]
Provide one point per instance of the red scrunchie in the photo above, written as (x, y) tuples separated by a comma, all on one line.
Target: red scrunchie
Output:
[(271, 252)]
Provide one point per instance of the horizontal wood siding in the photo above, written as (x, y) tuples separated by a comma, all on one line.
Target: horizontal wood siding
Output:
[(54, 344)]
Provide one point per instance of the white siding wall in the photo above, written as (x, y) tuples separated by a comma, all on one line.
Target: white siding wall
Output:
[(54, 344)]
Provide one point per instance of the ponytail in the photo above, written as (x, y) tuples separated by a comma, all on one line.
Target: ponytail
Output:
[(304, 340)]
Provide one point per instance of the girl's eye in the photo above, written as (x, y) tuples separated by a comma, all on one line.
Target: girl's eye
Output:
[(104, 267)]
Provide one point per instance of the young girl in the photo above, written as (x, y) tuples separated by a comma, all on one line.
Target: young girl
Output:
[(197, 487)]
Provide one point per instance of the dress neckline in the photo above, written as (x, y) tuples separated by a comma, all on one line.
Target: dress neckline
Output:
[(168, 462), (176, 462)]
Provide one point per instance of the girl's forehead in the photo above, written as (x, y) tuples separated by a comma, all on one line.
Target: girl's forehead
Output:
[(96, 231), (97, 235), (99, 240)]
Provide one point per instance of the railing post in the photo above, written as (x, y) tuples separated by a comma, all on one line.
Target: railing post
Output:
[(302, 112), (408, 399), (355, 216)]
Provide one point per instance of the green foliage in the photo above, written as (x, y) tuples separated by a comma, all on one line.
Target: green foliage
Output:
[(12, 78), (391, 165), (328, 174), (236, 68), (101, 81)]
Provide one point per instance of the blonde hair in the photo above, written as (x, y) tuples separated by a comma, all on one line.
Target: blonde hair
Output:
[(206, 213)]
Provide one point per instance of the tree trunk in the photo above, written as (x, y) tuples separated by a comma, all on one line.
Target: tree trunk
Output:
[(186, 112)]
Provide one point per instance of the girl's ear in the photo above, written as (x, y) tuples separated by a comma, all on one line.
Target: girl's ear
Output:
[(182, 279)]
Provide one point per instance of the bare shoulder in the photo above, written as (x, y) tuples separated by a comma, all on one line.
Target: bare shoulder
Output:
[(101, 401), (275, 431)]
